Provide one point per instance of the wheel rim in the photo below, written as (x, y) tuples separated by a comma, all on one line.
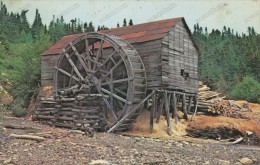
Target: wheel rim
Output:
[(106, 65)]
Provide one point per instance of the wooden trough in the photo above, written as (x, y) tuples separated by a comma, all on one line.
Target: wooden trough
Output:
[(102, 79)]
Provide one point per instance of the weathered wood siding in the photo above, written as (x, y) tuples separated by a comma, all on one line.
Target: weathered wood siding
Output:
[(179, 60), (150, 54), (48, 63)]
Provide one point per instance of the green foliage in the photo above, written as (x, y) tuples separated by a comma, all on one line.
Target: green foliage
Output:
[(22, 66), (225, 58), (248, 89), (18, 109)]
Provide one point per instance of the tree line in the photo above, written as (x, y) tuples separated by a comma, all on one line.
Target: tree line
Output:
[(229, 62)]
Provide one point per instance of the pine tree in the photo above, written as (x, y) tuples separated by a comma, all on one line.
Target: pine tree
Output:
[(124, 22), (85, 27), (24, 22), (37, 25), (91, 28), (130, 22)]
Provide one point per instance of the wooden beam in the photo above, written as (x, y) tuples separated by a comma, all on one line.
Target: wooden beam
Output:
[(160, 108), (174, 105), (167, 113), (129, 113), (189, 105), (73, 65), (115, 96), (184, 108), (152, 113), (66, 73)]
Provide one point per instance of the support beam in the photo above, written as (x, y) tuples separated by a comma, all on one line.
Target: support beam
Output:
[(174, 105), (189, 106), (184, 108), (152, 113), (161, 98), (167, 113)]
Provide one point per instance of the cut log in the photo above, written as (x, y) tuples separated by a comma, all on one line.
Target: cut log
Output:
[(19, 127), (27, 137)]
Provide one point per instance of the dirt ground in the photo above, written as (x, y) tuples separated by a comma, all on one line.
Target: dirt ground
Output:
[(62, 146)]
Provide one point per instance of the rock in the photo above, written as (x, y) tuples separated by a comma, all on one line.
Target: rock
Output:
[(192, 161), (249, 133), (206, 163), (99, 162), (246, 161), (224, 162), (237, 163), (7, 161)]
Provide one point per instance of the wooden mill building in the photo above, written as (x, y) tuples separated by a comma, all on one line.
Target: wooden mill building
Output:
[(166, 48)]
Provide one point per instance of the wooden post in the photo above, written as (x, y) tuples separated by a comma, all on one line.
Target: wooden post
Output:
[(152, 113), (155, 104), (160, 108), (174, 105), (167, 113), (184, 108), (194, 103), (189, 106)]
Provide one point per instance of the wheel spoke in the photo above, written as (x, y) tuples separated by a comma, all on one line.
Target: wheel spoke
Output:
[(118, 81), (115, 96), (80, 59), (118, 63), (73, 66), (66, 73), (98, 53), (120, 92), (87, 51), (107, 60)]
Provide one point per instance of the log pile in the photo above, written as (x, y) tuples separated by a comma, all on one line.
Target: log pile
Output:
[(206, 94), (80, 112), (211, 102)]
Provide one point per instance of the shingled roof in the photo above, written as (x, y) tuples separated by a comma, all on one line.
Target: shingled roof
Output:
[(133, 34)]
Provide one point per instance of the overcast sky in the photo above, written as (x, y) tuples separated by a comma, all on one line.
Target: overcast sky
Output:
[(237, 14)]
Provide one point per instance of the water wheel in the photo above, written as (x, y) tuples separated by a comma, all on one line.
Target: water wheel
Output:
[(106, 66)]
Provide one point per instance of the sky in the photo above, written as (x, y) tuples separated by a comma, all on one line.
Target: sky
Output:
[(213, 14)]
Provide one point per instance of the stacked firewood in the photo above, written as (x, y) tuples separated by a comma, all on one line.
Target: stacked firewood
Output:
[(82, 112), (206, 94), (211, 102)]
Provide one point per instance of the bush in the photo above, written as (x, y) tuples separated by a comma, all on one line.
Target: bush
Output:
[(248, 89), (18, 109)]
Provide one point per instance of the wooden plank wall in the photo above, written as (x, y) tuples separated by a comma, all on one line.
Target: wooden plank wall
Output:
[(47, 69), (150, 53), (179, 53)]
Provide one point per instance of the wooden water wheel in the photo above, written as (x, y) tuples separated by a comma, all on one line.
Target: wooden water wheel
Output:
[(99, 65)]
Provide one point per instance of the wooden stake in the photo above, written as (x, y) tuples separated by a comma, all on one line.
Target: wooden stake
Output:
[(184, 108), (167, 113), (174, 104), (152, 113), (189, 106), (160, 109)]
